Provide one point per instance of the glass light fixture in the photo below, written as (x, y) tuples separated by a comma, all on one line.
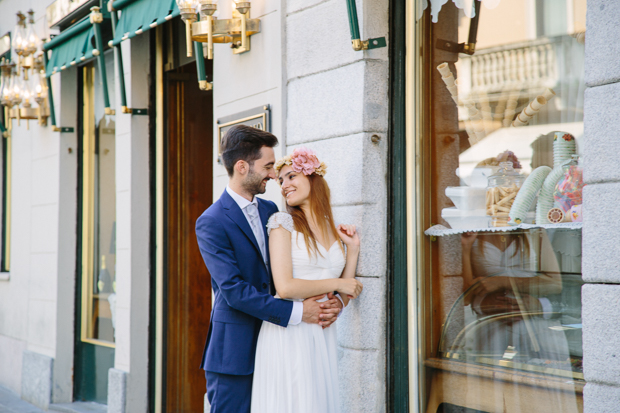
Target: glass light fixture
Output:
[(40, 94), (19, 37), (32, 41), (207, 9), (188, 14), (6, 91)]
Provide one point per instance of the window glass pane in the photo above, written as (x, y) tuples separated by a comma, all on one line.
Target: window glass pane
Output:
[(503, 295), (99, 210)]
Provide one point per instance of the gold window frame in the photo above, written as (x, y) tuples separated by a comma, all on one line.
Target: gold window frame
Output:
[(87, 273)]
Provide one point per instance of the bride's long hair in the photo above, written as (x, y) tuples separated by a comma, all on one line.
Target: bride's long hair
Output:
[(320, 206)]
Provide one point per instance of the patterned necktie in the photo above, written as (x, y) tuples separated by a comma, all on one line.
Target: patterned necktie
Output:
[(255, 223)]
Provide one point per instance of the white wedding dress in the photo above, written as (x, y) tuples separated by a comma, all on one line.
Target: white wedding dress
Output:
[(296, 368)]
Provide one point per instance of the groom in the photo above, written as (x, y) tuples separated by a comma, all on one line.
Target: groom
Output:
[(233, 241)]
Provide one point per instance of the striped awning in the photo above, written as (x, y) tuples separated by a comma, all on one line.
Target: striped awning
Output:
[(71, 48), (139, 16)]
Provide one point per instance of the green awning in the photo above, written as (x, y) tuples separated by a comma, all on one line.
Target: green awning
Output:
[(141, 16), (73, 51)]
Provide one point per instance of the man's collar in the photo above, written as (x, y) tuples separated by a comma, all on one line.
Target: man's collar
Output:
[(240, 200)]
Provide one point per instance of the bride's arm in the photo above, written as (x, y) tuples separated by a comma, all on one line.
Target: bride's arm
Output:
[(282, 270), (348, 235)]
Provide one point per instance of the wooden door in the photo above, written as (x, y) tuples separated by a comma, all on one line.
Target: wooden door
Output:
[(188, 154)]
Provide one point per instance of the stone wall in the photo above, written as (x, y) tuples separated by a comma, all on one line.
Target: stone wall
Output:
[(601, 248), (337, 104)]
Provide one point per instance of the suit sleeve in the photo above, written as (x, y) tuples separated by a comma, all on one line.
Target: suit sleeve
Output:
[(219, 257)]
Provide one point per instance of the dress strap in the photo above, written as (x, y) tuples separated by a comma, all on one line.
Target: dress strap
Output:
[(280, 219)]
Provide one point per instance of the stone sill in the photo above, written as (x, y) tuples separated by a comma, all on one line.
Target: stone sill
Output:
[(5, 276)]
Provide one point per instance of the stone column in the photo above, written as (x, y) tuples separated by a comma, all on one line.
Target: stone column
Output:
[(601, 233)]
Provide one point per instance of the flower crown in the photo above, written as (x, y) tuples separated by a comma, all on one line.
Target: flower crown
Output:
[(303, 160)]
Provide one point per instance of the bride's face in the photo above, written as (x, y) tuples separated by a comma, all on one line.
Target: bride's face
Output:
[(295, 186)]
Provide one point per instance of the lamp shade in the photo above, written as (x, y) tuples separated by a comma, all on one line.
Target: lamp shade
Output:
[(187, 5), (19, 37), (31, 40)]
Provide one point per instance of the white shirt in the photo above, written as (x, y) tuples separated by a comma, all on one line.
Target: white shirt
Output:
[(298, 307)]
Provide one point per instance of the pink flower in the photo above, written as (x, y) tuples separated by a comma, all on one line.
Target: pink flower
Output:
[(304, 160)]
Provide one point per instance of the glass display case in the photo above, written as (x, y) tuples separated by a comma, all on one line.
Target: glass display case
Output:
[(499, 277)]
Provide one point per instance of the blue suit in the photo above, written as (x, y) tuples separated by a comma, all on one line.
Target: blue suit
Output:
[(242, 300)]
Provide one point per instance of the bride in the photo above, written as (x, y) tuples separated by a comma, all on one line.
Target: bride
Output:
[(296, 367)]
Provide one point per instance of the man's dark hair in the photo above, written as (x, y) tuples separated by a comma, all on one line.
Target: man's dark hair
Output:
[(243, 143)]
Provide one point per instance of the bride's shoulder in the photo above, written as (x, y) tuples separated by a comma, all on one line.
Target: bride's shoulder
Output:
[(280, 219)]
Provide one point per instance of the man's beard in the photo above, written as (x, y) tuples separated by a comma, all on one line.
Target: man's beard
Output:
[(253, 183)]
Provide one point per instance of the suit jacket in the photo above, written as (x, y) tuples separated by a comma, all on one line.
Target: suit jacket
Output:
[(241, 284)]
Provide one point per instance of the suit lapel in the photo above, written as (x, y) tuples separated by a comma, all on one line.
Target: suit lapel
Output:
[(263, 212), (235, 213)]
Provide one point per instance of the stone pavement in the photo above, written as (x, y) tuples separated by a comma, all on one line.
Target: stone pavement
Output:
[(11, 403)]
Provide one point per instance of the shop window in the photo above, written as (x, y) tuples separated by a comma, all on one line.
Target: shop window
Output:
[(502, 137), (98, 215)]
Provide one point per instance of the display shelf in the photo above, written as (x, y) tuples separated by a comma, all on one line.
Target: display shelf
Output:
[(440, 230)]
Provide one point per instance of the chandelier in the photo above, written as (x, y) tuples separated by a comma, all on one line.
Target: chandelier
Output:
[(23, 89)]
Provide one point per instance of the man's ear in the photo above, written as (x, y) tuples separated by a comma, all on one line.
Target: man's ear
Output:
[(242, 167)]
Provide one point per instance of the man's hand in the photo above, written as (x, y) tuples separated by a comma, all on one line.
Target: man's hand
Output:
[(330, 310), (324, 313), (312, 310)]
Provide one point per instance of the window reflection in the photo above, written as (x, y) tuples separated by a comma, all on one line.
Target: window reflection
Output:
[(98, 187), (504, 302)]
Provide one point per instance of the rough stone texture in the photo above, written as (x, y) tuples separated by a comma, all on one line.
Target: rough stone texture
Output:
[(364, 315), (362, 381), (600, 259), (326, 23), (601, 341), (601, 48), (350, 99), (295, 6), (601, 398), (370, 224), (601, 138), (37, 371), (117, 391)]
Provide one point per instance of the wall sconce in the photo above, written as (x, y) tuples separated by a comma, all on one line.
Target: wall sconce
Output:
[(23, 83), (209, 29)]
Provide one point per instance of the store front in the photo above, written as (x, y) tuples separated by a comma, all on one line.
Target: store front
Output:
[(494, 131)]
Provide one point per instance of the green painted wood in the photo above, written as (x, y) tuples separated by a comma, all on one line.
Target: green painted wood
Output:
[(200, 61), (353, 22), (118, 57), (91, 380), (101, 62), (5, 169), (398, 372), (50, 94)]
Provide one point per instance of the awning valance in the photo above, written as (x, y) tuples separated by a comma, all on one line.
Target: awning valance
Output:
[(140, 16), (74, 50)]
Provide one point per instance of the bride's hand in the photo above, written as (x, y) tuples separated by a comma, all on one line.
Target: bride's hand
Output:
[(348, 235), (350, 287)]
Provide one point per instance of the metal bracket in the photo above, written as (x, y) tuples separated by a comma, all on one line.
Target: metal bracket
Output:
[(63, 129), (369, 44), (139, 111), (469, 47), (448, 46)]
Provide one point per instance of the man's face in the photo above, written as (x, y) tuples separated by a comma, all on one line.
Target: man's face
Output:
[(261, 171)]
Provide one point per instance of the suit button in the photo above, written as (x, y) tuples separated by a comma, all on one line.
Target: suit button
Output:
[(264, 285)]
